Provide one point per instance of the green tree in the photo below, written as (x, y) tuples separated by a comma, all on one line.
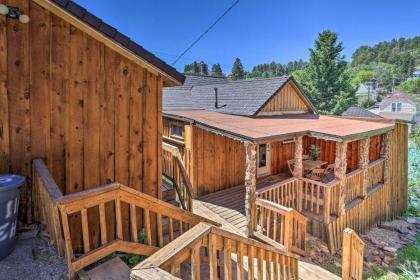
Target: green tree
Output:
[(197, 68), (325, 79), (410, 86), (238, 71), (362, 77), (216, 70)]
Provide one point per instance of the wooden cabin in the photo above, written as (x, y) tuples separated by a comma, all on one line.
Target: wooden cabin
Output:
[(246, 143)]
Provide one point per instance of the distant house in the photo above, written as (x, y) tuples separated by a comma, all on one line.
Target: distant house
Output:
[(359, 112), (368, 90), (416, 73), (398, 106)]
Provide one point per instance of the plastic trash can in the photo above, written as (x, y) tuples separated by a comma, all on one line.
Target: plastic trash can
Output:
[(9, 205)]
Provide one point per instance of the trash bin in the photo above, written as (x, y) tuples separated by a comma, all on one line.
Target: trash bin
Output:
[(9, 205)]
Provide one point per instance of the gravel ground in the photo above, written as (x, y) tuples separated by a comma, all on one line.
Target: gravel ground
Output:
[(33, 258)]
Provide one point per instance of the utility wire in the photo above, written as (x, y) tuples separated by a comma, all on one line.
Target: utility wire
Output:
[(205, 32)]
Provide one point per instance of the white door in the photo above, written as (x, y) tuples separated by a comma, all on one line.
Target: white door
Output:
[(263, 160)]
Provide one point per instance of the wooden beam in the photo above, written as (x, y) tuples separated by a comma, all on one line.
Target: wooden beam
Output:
[(250, 185), (364, 148), (340, 174)]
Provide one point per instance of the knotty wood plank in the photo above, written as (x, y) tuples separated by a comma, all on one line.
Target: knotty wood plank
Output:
[(4, 108)]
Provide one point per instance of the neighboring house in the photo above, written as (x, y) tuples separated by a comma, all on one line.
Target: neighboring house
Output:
[(367, 90), (416, 73), (399, 106), (243, 141), (359, 112)]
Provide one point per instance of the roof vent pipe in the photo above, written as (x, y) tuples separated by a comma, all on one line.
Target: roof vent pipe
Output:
[(216, 102)]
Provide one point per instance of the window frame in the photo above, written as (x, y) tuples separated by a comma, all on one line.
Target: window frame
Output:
[(398, 107), (181, 130)]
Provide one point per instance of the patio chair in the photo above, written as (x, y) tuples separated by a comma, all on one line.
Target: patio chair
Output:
[(317, 174), (329, 172), (291, 165)]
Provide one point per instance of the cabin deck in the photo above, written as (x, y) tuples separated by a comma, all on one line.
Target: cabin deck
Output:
[(229, 204)]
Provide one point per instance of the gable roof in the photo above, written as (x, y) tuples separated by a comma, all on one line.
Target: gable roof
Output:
[(399, 97), (359, 112), (114, 35), (242, 97)]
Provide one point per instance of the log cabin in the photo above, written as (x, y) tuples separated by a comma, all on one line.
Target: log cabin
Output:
[(246, 147)]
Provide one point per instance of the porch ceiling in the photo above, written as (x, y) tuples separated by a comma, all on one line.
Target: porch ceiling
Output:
[(274, 128)]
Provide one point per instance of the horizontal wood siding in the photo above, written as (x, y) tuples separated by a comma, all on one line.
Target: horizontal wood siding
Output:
[(218, 162), (90, 113), (288, 99), (280, 154)]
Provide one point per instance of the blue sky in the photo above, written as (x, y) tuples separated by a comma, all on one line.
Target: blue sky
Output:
[(256, 31)]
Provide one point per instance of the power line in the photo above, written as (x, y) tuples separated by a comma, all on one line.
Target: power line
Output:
[(205, 32)]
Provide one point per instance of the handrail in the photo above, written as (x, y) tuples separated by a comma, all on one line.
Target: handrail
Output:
[(353, 251), (275, 185), (45, 194), (376, 162), (187, 248), (179, 163)]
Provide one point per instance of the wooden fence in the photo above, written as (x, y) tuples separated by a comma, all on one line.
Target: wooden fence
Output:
[(376, 172), (45, 194), (354, 185), (353, 250), (169, 221), (280, 226), (224, 253), (173, 168), (284, 193)]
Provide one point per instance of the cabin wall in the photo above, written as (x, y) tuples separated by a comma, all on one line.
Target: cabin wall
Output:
[(171, 139), (280, 154), (216, 162), (375, 147), (93, 115), (288, 99)]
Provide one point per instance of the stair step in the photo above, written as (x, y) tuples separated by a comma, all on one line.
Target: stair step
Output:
[(114, 269)]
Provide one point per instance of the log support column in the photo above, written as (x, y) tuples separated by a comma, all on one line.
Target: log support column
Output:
[(385, 153), (250, 185), (364, 146), (298, 169), (340, 174)]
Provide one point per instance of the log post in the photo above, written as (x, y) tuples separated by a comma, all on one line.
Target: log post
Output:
[(385, 153), (250, 185), (340, 169), (298, 170), (363, 164)]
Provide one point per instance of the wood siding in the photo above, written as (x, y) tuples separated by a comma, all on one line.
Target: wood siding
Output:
[(288, 99), (375, 147), (280, 154), (216, 162), (93, 115)]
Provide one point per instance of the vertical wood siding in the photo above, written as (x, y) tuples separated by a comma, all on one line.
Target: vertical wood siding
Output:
[(375, 147), (280, 154), (90, 113), (287, 99)]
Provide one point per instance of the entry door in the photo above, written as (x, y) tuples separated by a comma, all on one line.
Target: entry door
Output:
[(264, 160)]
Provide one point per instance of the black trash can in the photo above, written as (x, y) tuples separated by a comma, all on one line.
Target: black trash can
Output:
[(9, 206)]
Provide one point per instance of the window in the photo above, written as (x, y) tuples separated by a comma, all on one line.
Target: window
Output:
[(396, 107), (262, 155), (177, 131)]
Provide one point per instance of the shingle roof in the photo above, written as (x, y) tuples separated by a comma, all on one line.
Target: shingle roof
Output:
[(243, 97), (356, 111), (112, 33)]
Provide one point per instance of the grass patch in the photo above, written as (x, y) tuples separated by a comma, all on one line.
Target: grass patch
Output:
[(412, 252), (332, 267)]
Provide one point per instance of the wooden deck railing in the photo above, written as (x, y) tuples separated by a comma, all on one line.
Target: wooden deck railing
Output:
[(224, 253), (353, 250), (284, 193), (174, 169), (280, 226), (45, 194), (376, 172), (161, 222), (354, 185)]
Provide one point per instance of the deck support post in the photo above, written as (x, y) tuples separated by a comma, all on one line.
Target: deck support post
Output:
[(364, 146), (250, 185), (340, 169), (385, 153), (298, 169)]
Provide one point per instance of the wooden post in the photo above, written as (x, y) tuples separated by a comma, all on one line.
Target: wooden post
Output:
[(250, 185), (385, 153), (298, 169), (364, 146), (340, 174)]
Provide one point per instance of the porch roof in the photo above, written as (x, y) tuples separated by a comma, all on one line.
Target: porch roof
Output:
[(280, 127)]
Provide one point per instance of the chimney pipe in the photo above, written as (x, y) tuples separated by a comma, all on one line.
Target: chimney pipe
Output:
[(216, 97)]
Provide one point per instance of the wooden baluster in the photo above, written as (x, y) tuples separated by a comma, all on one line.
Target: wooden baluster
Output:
[(327, 204), (251, 267), (268, 265), (176, 269), (239, 261), (195, 262), (275, 223), (268, 222), (85, 231), (160, 229), (102, 223), (147, 226), (133, 222), (118, 219), (171, 229), (213, 256), (312, 197), (317, 198), (287, 232), (227, 264), (67, 240), (260, 264)]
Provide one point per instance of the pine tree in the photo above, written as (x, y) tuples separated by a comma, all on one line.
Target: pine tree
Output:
[(325, 79), (238, 71), (216, 70), (197, 68)]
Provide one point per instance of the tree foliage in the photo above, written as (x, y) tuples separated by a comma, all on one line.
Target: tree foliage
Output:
[(238, 71), (197, 67), (402, 53), (410, 86), (216, 70), (274, 69), (362, 77), (325, 79)]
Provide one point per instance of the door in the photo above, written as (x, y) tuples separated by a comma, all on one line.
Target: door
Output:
[(264, 160)]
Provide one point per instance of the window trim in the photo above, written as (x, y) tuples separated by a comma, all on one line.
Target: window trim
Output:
[(397, 110), (174, 135)]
